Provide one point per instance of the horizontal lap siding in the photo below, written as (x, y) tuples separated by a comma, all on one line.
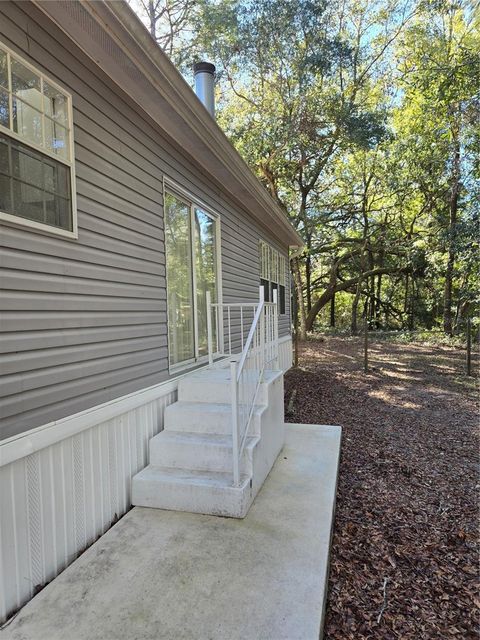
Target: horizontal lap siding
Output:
[(84, 322)]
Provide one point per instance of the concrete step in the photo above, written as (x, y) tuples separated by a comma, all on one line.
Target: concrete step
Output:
[(204, 417), (215, 386), (195, 491), (199, 451)]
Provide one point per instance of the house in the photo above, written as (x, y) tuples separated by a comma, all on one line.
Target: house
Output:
[(135, 248)]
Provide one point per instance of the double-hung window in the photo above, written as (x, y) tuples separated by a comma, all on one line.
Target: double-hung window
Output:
[(273, 273), (36, 149)]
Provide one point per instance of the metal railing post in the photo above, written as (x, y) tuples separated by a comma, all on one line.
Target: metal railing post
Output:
[(275, 326), (209, 327), (263, 327), (235, 443)]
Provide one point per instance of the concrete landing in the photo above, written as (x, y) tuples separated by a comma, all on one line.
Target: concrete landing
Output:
[(177, 576)]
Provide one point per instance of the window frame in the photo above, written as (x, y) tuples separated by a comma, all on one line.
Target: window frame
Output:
[(70, 162), (273, 265), (192, 201)]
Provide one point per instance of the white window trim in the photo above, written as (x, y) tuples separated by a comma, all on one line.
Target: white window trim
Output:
[(272, 260), (19, 220), (173, 187)]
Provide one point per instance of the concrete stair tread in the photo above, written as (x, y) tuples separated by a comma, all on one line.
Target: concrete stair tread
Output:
[(196, 438), (217, 408), (214, 386), (206, 417), (217, 479), (223, 375)]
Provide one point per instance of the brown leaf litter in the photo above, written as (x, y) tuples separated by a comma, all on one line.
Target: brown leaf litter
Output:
[(404, 559)]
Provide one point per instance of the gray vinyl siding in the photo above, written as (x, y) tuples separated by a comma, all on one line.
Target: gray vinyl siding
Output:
[(84, 321)]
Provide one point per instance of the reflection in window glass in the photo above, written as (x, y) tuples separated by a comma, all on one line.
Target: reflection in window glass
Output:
[(56, 138), (32, 107), (27, 167), (3, 69), (28, 201), (26, 85), (179, 280), (34, 186), (23, 78), (190, 237), (5, 195), (281, 300), (205, 275), (27, 121), (4, 109), (57, 211), (55, 103), (4, 157)]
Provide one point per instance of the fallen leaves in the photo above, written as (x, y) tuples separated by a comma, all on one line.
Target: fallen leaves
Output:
[(406, 530)]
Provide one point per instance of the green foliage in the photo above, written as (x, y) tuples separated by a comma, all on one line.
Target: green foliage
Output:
[(362, 119)]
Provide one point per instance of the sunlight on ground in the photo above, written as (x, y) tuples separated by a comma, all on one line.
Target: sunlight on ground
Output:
[(399, 374), (336, 354), (411, 405), (390, 398), (444, 368)]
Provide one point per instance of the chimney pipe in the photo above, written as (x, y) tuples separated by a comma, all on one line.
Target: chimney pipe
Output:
[(204, 73)]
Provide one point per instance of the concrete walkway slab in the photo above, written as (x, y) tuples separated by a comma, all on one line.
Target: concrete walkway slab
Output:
[(167, 575)]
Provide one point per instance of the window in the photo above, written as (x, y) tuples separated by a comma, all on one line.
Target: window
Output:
[(36, 159), (273, 273), (192, 259)]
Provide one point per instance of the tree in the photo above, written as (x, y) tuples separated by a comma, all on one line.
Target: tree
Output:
[(170, 23), (362, 120), (440, 64), (296, 83)]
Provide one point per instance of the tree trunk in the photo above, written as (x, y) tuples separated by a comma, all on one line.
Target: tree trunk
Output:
[(356, 300), (411, 310), (308, 281), (406, 300), (453, 206), (378, 304), (332, 311), (371, 306), (302, 316), (347, 285), (151, 19)]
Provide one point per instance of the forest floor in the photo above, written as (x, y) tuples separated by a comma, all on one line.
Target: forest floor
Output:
[(404, 558)]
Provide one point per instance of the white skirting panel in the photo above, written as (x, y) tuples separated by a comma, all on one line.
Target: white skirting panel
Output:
[(58, 500), (285, 354)]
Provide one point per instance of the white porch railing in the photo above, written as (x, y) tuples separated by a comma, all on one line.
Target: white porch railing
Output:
[(251, 354)]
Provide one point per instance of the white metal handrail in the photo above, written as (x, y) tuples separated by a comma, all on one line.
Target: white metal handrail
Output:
[(250, 359), (227, 324)]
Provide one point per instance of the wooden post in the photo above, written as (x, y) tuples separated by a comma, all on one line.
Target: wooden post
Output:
[(365, 344), (469, 347)]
